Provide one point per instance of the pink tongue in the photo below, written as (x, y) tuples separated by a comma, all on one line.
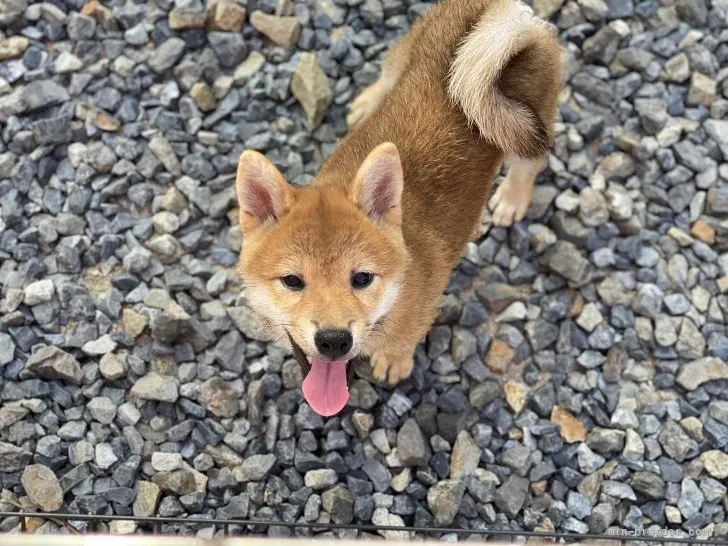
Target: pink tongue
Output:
[(325, 387)]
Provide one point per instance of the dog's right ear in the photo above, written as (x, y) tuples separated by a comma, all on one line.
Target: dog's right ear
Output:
[(263, 193)]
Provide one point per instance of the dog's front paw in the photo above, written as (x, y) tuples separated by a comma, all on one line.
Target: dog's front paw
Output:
[(364, 104), (392, 368)]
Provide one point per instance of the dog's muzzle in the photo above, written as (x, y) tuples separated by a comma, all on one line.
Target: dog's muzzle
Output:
[(303, 362)]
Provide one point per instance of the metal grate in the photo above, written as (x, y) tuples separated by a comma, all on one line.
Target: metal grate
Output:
[(155, 524)]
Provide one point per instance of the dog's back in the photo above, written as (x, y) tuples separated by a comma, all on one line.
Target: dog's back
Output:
[(456, 112)]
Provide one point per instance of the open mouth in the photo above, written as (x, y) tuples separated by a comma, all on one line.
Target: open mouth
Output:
[(326, 383)]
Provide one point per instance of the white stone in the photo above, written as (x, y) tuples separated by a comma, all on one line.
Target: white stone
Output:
[(38, 292), (67, 62), (515, 311), (166, 462), (590, 317)]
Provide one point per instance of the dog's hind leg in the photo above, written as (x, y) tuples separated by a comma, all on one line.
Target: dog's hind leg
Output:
[(511, 199), (506, 77), (393, 66)]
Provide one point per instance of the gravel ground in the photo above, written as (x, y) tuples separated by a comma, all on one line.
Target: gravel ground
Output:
[(576, 379)]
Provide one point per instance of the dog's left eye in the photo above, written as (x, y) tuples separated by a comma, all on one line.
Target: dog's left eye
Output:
[(361, 279), (293, 282)]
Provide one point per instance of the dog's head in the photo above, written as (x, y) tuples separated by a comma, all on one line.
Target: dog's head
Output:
[(323, 264)]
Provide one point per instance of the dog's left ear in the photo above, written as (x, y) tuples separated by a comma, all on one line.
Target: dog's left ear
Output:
[(263, 193), (377, 188)]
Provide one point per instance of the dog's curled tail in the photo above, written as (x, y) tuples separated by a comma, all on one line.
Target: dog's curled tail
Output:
[(506, 78)]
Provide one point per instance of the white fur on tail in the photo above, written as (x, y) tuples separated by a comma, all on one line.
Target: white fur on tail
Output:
[(504, 30)]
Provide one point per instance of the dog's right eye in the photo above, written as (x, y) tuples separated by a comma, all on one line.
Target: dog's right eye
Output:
[(294, 282)]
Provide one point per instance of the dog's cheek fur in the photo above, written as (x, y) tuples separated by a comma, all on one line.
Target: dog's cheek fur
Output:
[(263, 302), (286, 313), (387, 299)]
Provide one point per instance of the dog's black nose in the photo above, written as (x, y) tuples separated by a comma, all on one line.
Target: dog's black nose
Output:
[(333, 343)]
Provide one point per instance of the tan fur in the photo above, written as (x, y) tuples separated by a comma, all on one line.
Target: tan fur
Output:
[(448, 158)]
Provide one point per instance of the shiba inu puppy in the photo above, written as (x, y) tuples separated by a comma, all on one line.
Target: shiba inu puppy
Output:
[(355, 264)]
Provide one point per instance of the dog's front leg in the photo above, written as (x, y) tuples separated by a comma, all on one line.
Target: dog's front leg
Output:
[(393, 367), (392, 356)]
